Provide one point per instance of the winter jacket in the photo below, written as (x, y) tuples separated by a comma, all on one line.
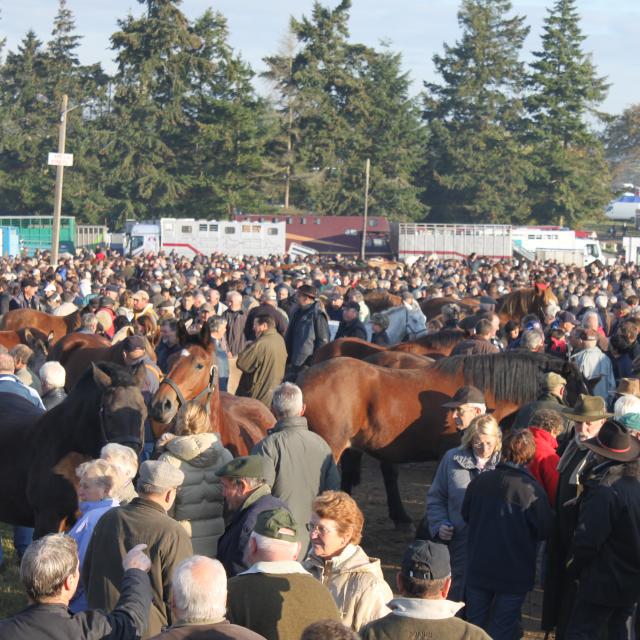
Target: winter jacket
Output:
[(163, 353), (199, 503), (9, 384), (508, 514), (127, 621), (475, 345), (308, 330), (356, 584), (381, 339), (222, 630), (236, 321), (53, 398), (545, 401), (605, 554), (20, 302), (593, 363), (353, 329), (544, 466)]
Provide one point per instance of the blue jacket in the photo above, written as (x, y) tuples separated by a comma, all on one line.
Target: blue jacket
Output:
[(10, 384), (508, 513)]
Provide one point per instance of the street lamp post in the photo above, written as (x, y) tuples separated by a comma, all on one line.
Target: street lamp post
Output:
[(57, 204)]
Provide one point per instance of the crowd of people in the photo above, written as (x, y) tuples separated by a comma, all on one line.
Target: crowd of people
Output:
[(187, 541)]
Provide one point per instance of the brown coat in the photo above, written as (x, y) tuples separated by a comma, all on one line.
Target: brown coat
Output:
[(222, 630)]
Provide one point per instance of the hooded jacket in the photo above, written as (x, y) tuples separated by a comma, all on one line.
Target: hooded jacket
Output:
[(199, 503), (544, 466), (356, 583)]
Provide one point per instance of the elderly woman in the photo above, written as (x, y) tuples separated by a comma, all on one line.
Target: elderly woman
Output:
[(96, 481), (125, 461), (336, 559), (198, 453), (478, 452)]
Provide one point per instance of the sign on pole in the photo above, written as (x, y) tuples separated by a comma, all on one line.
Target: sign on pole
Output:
[(60, 159)]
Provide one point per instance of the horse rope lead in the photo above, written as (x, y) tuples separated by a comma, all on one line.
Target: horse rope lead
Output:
[(206, 392)]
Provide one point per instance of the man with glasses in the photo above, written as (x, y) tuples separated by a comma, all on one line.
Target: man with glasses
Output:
[(467, 403)]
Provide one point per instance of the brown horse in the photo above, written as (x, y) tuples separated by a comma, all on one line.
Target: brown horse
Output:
[(241, 422), (397, 415), (432, 308), (37, 341), (60, 326), (398, 360), (347, 347), (381, 301), (521, 302)]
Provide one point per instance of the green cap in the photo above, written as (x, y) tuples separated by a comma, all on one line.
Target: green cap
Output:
[(630, 421), (277, 524), (243, 467)]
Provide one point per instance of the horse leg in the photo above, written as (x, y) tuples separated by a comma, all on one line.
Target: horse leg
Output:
[(350, 465), (397, 512)]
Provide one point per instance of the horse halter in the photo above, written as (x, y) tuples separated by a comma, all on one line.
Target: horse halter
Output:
[(205, 394)]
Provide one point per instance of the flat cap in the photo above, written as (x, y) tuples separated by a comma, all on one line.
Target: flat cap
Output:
[(244, 467), (160, 474), (277, 524), (552, 380)]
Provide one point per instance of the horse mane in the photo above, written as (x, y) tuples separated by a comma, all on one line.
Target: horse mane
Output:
[(517, 302), (513, 376), (120, 376), (442, 339)]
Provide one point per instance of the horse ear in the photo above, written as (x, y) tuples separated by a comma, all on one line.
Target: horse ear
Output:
[(28, 337), (50, 337), (205, 335), (181, 332), (102, 380)]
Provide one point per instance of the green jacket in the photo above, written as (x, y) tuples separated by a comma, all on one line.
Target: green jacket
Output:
[(118, 531), (262, 364)]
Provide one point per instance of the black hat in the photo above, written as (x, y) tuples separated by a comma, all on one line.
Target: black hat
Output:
[(567, 316), (426, 560), (351, 305), (133, 343), (106, 301), (112, 287), (308, 290), (466, 395), (614, 442)]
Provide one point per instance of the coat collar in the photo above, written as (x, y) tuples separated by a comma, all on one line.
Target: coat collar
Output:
[(424, 609), (296, 422), (277, 567)]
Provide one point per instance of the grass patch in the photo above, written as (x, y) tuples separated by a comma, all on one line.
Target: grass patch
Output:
[(12, 596)]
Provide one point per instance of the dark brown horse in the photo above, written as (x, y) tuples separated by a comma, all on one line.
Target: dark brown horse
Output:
[(58, 325), (37, 341), (433, 307), (381, 301), (106, 406), (241, 422), (519, 303), (397, 415)]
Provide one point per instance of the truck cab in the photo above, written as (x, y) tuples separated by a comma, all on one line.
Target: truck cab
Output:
[(142, 239)]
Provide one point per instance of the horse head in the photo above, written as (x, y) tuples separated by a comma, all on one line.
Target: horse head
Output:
[(39, 343), (576, 383), (122, 410)]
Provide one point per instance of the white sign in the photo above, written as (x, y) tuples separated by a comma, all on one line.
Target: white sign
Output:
[(61, 159)]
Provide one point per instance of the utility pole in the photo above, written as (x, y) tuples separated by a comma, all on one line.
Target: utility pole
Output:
[(57, 205), (367, 169)]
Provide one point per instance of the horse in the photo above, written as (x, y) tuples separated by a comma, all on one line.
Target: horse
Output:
[(521, 302), (381, 301), (241, 422), (396, 415), (404, 323), (398, 360), (39, 451), (60, 326), (76, 351), (432, 307), (37, 341)]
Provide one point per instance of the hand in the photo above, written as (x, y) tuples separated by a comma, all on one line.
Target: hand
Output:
[(445, 532), (137, 559), (164, 438)]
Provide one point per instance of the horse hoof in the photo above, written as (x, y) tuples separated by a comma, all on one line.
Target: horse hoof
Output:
[(406, 527)]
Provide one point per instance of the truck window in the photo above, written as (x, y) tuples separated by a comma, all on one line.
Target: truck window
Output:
[(229, 230), (202, 227), (136, 242), (272, 231), (186, 229), (213, 227)]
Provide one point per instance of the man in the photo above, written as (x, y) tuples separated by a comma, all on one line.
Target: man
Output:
[(467, 403), (9, 383), (168, 344), (605, 552), (52, 378), (308, 330), (142, 306), (284, 299), (334, 310), (302, 464), (199, 604), (595, 365), (50, 574), (145, 520), (351, 326), (88, 323), (422, 609), (186, 311), (589, 414), (479, 343), (236, 319), (276, 597), (246, 494), (22, 354), (26, 298), (268, 306), (217, 306), (107, 310), (551, 397), (263, 362)]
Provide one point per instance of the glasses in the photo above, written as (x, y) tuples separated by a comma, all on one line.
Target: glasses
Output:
[(321, 529)]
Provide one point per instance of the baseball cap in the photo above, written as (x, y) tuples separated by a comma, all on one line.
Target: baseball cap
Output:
[(466, 395), (426, 560), (567, 316), (277, 524)]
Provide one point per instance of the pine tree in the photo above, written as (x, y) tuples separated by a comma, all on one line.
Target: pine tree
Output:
[(571, 180), (476, 166), (622, 140)]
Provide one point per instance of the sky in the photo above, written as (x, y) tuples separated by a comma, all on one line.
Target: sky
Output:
[(415, 28)]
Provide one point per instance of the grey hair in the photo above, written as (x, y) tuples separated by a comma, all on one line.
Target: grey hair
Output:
[(124, 459), (89, 320), (234, 294), (46, 564), (52, 375), (272, 546), (199, 590), (252, 483), (215, 322), (287, 400), (147, 489), (626, 404), (104, 474), (532, 339)]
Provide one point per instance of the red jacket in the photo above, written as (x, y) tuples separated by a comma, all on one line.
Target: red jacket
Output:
[(544, 465)]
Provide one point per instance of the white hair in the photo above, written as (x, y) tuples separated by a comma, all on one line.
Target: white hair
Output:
[(199, 590), (287, 400), (124, 459), (52, 375), (626, 404), (589, 314), (272, 548)]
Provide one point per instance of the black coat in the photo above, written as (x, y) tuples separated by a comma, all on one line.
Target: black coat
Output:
[(53, 398), (308, 331), (605, 555), (353, 329), (55, 622), (264, 309)]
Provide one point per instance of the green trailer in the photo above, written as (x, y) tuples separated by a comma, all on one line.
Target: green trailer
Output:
[(35, 232)]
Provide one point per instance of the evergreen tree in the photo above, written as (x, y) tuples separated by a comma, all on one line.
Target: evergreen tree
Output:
[(571, 179), (476, 167), (622, 140)]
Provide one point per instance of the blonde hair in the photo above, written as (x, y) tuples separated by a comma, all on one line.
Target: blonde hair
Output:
[(192, 420), (484, 425), (104, 474), (341, 507)]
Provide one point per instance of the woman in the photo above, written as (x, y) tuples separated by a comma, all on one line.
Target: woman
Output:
[(96, 482), (478, 452), (336, 559), (198, 453), (125, 461)]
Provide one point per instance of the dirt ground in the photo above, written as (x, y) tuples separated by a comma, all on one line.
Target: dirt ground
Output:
[(382, 541)]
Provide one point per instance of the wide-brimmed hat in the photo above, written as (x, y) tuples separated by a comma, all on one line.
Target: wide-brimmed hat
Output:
[(307, 290), (627, 387), (587, 409), (465, 395), (614, 443)]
